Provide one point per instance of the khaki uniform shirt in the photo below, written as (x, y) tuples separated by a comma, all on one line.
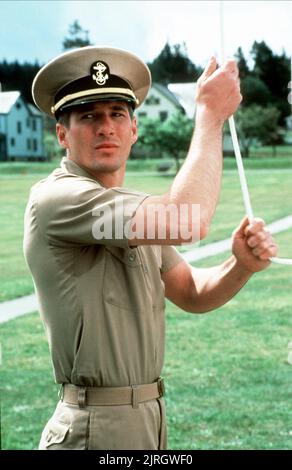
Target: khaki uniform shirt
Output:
[(102, 303)]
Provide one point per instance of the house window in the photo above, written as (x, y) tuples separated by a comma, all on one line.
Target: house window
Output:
[(163, 115), (35, 145), (28, 146), (152, 100), (34, 125), (27, 122), (142, 115), (18, 106), (18, 127), (12, 141)]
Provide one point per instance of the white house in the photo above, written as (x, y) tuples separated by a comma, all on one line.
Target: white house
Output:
[(21, 129), (159, 104), (163, 101), (185, 94)]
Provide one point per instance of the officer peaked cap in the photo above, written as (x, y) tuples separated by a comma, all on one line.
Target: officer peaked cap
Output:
[(90, 74)]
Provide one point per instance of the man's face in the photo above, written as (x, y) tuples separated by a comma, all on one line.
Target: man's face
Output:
[(100, 136)]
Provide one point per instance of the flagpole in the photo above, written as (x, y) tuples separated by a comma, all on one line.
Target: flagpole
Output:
[(242, 177), (236, 147)]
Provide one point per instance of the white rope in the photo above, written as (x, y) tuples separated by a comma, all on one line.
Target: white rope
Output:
[(243, 184), (238, 157), (242, 178)]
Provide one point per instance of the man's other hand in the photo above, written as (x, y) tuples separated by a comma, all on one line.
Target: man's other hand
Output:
[(253, 245)]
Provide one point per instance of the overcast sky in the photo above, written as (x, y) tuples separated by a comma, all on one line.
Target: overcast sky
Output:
[(33, 30)]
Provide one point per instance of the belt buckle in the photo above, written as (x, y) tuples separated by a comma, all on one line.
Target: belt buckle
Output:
[(160, 386)]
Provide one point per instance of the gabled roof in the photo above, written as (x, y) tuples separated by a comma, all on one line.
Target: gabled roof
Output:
[(185, 93), (7, 100), (167, 93), (33, 110)]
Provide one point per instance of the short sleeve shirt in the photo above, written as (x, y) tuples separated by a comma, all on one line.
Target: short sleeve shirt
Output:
[(102, 302)]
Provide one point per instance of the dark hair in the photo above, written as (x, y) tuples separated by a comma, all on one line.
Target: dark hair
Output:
[(64, 116), (131, 110)]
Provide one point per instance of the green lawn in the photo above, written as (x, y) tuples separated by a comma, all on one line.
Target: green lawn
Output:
[(229, 368), (228, 381), (270, 193)]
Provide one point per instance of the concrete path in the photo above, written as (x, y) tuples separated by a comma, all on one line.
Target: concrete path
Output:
[(15, 308)]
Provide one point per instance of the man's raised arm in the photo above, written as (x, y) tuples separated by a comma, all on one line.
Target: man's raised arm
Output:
[(171, 218)]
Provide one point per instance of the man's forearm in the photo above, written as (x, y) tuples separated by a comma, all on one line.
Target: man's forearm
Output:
[(217, 285)]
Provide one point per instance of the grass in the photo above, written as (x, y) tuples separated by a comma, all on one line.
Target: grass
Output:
[(259, 158), (228, 382), (27, 388), (270, 193)]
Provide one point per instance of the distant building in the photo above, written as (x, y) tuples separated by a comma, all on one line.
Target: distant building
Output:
[(159, 104), (21, 129), (162, 102), (185, 94)]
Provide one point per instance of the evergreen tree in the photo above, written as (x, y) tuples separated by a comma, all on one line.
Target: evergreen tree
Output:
[(78, 37), (274, 71), (15, 76), (254, 91), (173, 65), (242, 63)]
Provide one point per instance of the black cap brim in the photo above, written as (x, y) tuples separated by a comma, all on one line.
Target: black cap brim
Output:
[(94, 99)]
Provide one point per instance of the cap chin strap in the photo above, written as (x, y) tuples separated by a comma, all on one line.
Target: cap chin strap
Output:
[(243, 184), (94, 91)]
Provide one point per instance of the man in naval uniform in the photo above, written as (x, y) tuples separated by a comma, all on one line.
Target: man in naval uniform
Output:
[(100, 278)]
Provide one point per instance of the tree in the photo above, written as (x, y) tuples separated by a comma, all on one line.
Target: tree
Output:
[(176, 133), (256, 123), (173, 65), (78, 37), (16, 76), (52, 147), (148, 145), (169, 138), (254, 91), (274, 71), (242, 63)]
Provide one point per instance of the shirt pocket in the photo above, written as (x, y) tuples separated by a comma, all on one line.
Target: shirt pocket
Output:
[(123, 280)]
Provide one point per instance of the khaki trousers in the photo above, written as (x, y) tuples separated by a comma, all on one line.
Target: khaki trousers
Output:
[(119, 427)]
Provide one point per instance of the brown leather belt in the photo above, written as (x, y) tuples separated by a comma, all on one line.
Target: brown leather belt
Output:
[(106, 396)]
